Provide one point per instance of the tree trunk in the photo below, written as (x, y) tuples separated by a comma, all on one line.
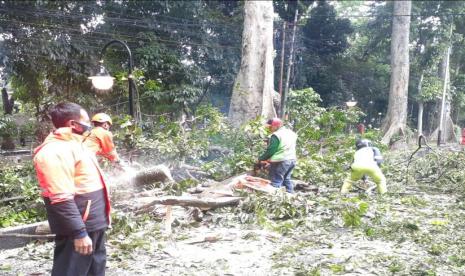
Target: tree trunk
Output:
[(289, 65), (147, 176), (445, 128), (445, 131), (396, 117), (420, 107), (202, 203), (7, 143), (8, 103), (420, 117), (281, 71), (456, 104), (254, 86)]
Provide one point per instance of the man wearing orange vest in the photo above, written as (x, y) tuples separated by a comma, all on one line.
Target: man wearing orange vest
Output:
[(75, 194), (100, 140)]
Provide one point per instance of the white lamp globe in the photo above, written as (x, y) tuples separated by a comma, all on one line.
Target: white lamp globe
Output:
[(102, 82), (351, 103)]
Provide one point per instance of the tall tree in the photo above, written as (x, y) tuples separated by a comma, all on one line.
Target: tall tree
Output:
[(445, 129), (8, 102), (431, 37), (184, 51), (253, 89), (321, 44), (395, 121), (290, 11)]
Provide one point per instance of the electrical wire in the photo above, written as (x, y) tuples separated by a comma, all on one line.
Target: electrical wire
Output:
[(124, 20), (190, 22), (123, 35), (157, 70)]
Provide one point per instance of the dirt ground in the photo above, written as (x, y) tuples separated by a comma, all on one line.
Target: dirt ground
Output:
[(410, 231)]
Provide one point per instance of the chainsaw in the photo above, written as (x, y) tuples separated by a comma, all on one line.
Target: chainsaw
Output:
[(260, 167)]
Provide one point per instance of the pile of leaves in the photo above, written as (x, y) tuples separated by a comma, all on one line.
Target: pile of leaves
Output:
[(280, 212), (429, 168), (20, 196)]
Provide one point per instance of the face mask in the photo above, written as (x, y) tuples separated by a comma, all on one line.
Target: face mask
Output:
[(84, 128)]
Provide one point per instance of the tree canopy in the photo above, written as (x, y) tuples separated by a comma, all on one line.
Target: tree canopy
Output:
[(189, 52)]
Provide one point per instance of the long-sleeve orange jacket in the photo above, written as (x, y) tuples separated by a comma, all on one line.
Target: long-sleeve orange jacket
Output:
[(72, 184), (100, 141)]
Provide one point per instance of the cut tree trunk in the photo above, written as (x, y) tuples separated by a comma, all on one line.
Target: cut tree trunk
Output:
[(396, 117), (202, 203), (17, 236), (160, 173), (253, 90)]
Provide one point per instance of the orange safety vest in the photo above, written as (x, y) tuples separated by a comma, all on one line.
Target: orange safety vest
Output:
[(66, 169), (100, 141)]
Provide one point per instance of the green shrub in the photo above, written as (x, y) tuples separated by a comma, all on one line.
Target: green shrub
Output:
[(8, 127), (20, 181), (268, 210), (353, 211)]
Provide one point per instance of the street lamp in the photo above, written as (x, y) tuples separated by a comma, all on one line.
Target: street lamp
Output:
[(103, 81), (351, 103)]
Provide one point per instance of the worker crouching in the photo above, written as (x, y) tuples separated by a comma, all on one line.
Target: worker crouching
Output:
[(281, 154), (366, 162)]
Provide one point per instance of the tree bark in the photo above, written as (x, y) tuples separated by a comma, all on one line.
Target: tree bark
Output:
[(445, 125), (147, 176), (8, 103), (254, 86), (445, 130), (420, 107), (420, 117), (202, 203), (17, 236), (396, 117)]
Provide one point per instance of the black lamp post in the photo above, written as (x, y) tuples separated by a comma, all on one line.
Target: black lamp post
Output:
[(103, 81)]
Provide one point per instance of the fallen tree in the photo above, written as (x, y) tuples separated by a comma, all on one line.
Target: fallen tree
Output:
[(190, 201), (18, 236), (220, 194)]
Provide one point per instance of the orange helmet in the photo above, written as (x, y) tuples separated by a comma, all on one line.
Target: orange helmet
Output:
[(102, 118)]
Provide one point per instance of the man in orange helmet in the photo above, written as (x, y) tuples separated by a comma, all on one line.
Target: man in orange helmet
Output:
[(281, 154), (100, 140), (75, 194)]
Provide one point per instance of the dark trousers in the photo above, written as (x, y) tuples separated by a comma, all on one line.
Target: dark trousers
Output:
[(280, 174), (67, 262)]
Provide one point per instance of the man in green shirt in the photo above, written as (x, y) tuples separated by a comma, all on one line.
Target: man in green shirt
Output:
[(280, 153)]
